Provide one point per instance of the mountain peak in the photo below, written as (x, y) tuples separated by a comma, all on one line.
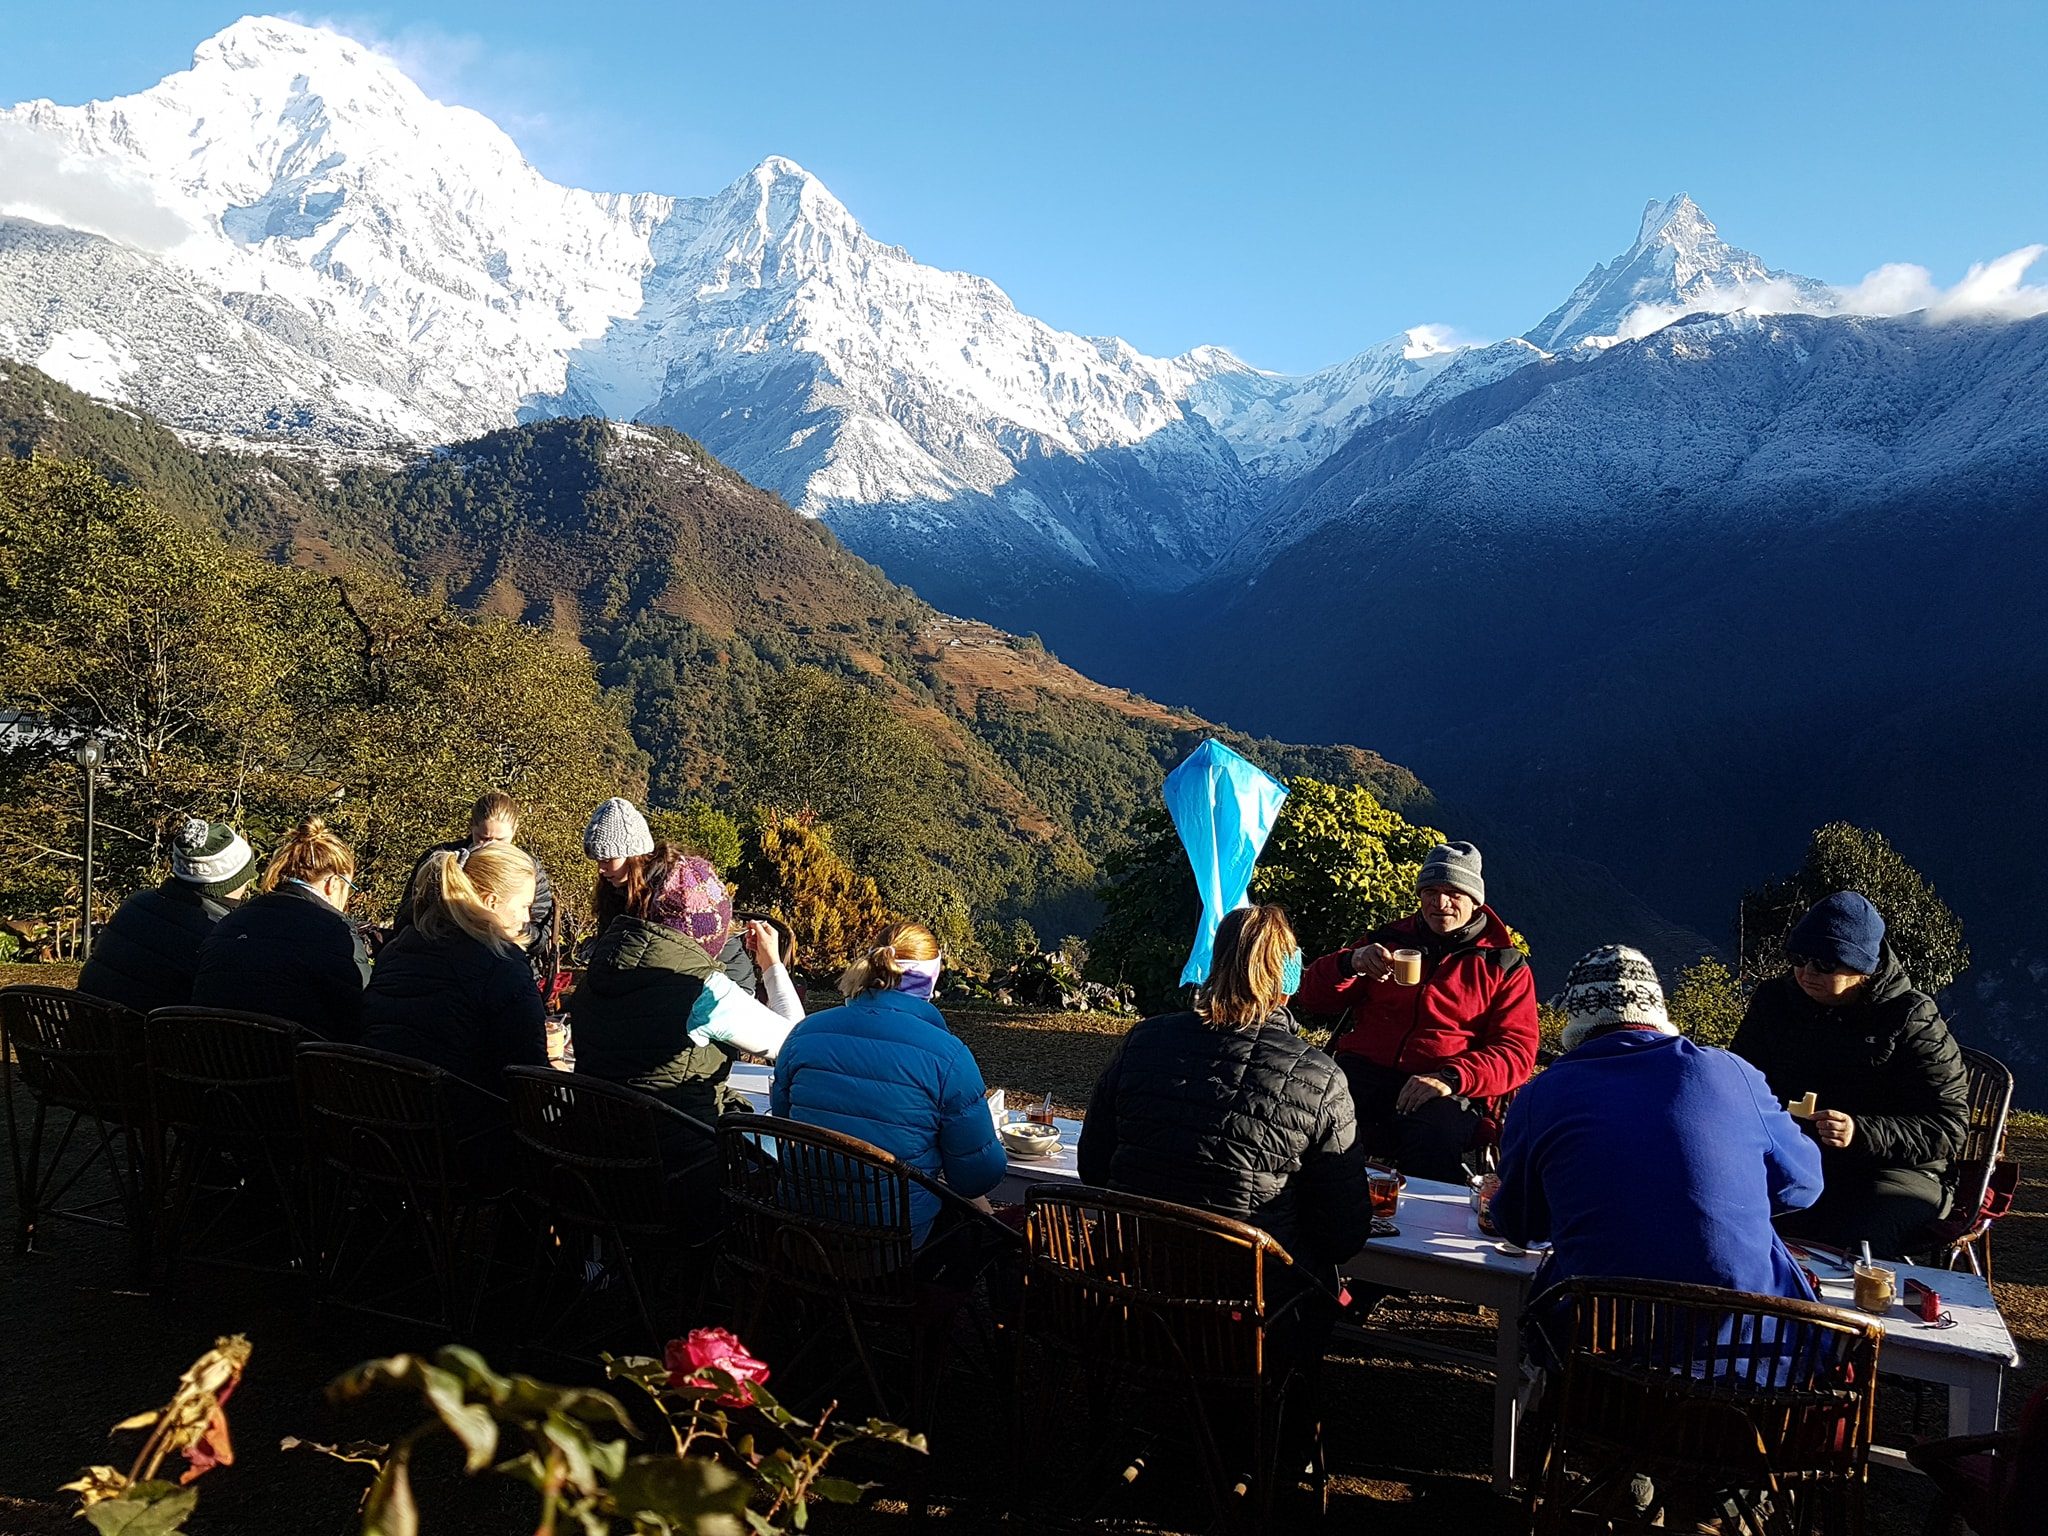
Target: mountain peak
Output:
[(1678, 261)]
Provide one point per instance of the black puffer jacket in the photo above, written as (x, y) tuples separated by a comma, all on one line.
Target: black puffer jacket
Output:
[(457, 1003), (1888, 1062), (629, 1016), (1254, 1124), (147, 956), (289, 954)]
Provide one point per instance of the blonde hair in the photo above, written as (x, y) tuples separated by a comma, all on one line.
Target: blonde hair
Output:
[(1245, 965), (311, 854), (882, 966), (451, 891)]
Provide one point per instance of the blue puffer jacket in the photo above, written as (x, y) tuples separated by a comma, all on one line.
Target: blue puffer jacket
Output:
[(885, 1068)]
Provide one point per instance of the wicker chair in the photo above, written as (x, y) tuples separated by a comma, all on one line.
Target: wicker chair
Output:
[(1984, 1181), (227, 1136), (605, 1162), (1193, 1308), (404, 1197), (79, 1062), (1725, 1401), (819, 1228), (1996, 1484)]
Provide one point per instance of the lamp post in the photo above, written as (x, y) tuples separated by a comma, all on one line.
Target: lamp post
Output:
[(90, 753)]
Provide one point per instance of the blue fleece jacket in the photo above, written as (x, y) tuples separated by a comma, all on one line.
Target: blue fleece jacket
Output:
[(886, 1069), (1644, 1156)]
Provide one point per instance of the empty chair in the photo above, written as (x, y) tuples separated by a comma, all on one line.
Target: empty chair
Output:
[(1983, 1181), (77, 1113), (1683, 1402), (605, 1162), (229, 1146), (403, 1182), (1206, 1315), (1997, 1483)]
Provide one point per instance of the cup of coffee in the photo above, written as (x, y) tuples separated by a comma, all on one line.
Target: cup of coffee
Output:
[(1408, 967), (1876, 1288)]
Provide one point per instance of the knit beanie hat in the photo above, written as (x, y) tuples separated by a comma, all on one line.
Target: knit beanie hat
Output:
[(617, 830), (695, 903), (1843, 930), (1455, 865), (213, 856), (1612, 987)]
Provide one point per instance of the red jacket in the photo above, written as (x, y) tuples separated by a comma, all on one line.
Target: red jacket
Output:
[(1472, 1021)]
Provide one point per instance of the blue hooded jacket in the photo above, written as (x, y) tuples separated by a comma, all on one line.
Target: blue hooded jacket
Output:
[(1644, 1156), (885, 1068)]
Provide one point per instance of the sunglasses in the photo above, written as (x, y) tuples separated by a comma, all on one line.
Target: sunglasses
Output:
[(1818, 967)]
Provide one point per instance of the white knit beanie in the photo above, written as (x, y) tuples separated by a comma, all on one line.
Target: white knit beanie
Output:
[(213, 856), (1612, 987), (617, 830)]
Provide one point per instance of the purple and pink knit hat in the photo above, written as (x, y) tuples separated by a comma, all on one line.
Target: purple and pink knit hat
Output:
[(694, 902)]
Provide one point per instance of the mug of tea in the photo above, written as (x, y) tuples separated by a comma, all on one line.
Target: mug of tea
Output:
[(1408, 967), (1876, 1288)]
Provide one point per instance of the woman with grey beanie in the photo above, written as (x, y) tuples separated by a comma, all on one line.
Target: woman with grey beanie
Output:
[(617, 837)]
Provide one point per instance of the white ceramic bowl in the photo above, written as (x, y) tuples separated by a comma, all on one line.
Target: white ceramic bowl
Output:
[(1028, 1140)]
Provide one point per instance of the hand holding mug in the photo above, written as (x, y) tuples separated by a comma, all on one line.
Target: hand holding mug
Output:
[(1375, 962), (763, 943)]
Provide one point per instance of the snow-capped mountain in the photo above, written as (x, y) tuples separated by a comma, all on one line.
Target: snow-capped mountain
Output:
[(1678, 262)]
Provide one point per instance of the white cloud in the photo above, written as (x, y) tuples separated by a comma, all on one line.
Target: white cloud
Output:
[(1990, 290), (43, 180)]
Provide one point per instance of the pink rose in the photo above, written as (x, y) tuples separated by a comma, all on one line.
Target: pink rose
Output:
[(714, 1348)]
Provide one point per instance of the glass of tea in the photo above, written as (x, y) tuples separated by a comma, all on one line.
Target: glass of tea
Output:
[(1040, 1113), (1384, 1188)]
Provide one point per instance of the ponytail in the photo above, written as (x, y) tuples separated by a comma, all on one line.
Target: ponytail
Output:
[(310, 854), (450, 894), (882, 968)]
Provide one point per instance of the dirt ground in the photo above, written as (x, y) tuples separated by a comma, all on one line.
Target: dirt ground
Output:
[(1408, 1442)]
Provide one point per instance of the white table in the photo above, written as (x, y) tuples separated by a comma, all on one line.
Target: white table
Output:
[(1439, 1252)]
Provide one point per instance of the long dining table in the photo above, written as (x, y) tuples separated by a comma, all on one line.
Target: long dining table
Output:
[(1438, 1250)]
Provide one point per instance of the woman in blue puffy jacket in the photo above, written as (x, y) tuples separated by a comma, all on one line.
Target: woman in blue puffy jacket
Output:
[(884, 1068)]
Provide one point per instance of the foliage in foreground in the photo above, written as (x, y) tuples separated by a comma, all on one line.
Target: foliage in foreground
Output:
[(737, 1460), (193, 1424)]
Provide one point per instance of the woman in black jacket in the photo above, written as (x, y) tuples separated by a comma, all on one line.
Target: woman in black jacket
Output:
[(147, 956), (1228, 1110), (1890, 1097), (453, 987), (292, 952)]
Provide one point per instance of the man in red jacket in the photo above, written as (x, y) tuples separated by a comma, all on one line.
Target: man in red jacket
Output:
[(1418, 1057)]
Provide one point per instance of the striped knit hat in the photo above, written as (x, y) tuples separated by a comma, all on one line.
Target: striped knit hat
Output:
[(1612, 987), (213, 856)]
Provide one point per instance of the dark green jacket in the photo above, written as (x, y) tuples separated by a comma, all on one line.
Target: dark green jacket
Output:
[(1888, 1062), (630, 1016)]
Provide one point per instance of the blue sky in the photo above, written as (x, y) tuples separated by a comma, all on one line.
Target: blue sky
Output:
[(1293, 181)]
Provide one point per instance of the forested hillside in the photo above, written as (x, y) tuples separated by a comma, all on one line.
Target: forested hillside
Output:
[(755, 660)]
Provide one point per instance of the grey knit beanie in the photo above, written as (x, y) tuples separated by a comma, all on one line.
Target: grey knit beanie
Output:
[(213, 856), (1455, 865), (617, 830), (1612, 987)]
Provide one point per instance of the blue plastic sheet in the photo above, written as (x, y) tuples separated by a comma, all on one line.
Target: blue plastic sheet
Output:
[(1223, 808)]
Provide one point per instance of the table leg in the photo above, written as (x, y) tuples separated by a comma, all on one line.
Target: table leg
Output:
[(1507, 1397), (1973, 1409)]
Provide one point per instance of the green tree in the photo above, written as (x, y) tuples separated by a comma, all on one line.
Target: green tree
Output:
[(1337, 860), (1707, 1004), (791, 868), (699, 827), (1340, 863), (1922, 931)]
